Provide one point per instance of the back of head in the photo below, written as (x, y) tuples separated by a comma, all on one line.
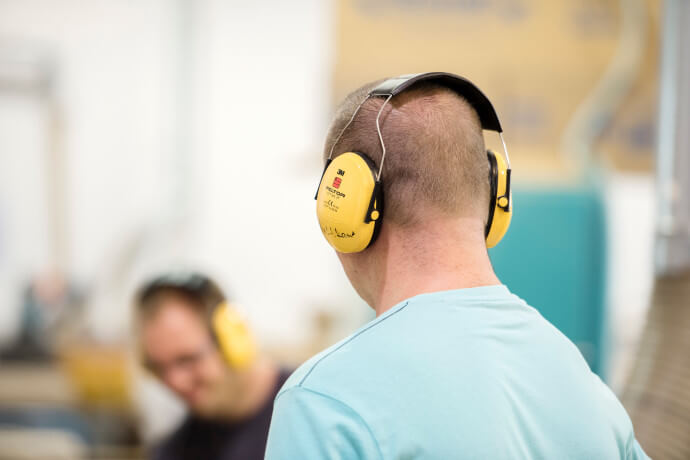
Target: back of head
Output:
[(435, 162)]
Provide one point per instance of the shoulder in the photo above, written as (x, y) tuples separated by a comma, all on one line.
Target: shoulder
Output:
[(311, 425), (170, 446), (349, 353), (300, 375)]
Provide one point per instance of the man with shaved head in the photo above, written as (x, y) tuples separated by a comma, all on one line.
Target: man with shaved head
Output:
[(454, 365)]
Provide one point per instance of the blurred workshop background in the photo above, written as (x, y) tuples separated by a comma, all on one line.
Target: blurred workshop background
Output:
[(139, 136)]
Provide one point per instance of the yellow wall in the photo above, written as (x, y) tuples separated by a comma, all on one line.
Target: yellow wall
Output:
[(536, 61)]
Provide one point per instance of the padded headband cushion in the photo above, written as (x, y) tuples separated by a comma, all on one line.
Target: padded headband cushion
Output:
[(465, 88)]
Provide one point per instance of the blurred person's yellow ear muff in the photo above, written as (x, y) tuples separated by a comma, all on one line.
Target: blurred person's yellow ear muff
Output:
[(349, 200), (235, 340), (500, 206), (349, 205)]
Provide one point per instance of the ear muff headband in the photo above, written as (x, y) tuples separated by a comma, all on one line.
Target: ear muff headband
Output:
[(357, 238), (230, 332), (465, 88)]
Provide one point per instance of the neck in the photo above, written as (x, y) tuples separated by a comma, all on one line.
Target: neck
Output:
[(249, 390), (446, 255)]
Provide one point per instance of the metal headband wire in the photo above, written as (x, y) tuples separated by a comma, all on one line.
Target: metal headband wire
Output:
[(505, 150), (378, 130), (337, 139)]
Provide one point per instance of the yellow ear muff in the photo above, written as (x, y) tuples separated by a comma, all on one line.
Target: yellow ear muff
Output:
[(234, 337), (349, 203), (501, 205)]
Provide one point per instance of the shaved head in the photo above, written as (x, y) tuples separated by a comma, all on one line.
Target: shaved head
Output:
[(435, 156)]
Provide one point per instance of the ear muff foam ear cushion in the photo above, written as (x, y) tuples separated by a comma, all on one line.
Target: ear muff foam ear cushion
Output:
[(348, 218), (234, 338), (493, 186), (499, 216)]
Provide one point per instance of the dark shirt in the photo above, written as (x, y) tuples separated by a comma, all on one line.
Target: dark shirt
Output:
[(203, 439)]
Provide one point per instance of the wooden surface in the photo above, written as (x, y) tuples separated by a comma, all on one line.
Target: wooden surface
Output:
[(35, 384)]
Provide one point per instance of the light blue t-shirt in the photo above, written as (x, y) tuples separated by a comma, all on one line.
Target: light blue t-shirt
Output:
[(465, 374)]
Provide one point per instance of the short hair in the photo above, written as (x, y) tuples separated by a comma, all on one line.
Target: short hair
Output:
[(200, 292), (435, 154)]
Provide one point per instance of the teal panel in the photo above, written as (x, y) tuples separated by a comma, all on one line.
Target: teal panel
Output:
[(554, 257)]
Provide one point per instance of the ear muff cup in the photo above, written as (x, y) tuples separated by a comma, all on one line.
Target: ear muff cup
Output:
[(349, 203), (500, 203), (233, 336)]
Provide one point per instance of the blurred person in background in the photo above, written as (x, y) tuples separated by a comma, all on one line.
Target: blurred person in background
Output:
[(51, 312), (195, 342), (454, 365)]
